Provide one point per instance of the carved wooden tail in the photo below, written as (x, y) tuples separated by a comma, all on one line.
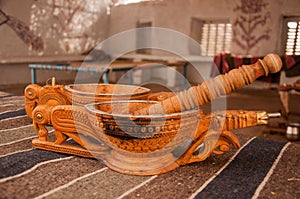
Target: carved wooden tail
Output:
[(219, 86)]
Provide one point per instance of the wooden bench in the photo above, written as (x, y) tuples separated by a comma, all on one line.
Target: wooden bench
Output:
[(104, 69)]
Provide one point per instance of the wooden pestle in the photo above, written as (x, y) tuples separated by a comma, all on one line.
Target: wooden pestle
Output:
[(216, 87)]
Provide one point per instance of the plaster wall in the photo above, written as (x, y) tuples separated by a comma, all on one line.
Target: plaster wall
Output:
[(172, 14), (177, 15), (10, 44), (15, 54)]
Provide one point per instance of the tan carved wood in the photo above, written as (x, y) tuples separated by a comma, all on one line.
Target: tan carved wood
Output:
[(119, 129), (219, 86)]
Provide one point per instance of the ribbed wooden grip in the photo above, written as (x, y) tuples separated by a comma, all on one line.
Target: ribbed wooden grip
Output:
[(219, 86)]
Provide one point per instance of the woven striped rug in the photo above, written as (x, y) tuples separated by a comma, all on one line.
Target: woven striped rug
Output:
[(262, 168)]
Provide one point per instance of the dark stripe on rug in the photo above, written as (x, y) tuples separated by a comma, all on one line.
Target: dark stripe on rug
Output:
[(12, 100), (20, 145), (19, 162), (49, 176), (10, 114), (285, 180), (11, 135), (11, 107), (15, 122), (105, 184), (5, 96), (185, 180), (17, 146), (244, 174)]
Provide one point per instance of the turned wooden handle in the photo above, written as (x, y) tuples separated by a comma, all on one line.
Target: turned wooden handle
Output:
[(216, 87)]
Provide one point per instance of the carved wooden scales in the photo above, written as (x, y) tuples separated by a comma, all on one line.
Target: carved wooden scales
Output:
[(136, 132)]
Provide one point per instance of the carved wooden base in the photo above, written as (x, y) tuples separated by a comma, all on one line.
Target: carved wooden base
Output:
[(143, 145), (153, 164), (128, 142), (73, 149), (148, 163)]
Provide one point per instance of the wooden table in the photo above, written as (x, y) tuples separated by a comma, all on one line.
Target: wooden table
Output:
[(104, 69)]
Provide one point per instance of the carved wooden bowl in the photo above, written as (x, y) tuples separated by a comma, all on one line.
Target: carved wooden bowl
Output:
[(82, 94), (117, 127)]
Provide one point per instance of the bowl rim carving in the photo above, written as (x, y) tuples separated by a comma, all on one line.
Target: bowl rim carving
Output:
[(90, 108), (71, 89)]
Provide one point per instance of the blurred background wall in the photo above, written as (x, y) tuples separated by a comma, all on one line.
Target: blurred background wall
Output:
[(70, 30)]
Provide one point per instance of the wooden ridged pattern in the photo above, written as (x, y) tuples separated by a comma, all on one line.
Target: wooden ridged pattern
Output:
[(143, 135), (114, 133), (82, 94), (120, 137), (214, 88)]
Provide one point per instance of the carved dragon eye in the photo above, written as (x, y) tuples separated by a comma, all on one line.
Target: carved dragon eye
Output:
[(31, 92), (39, 116)]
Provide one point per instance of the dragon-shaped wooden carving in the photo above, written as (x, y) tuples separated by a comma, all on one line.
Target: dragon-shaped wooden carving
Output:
[(141, 136)]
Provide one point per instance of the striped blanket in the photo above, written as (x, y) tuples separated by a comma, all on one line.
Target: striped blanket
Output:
[(262, 168)]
